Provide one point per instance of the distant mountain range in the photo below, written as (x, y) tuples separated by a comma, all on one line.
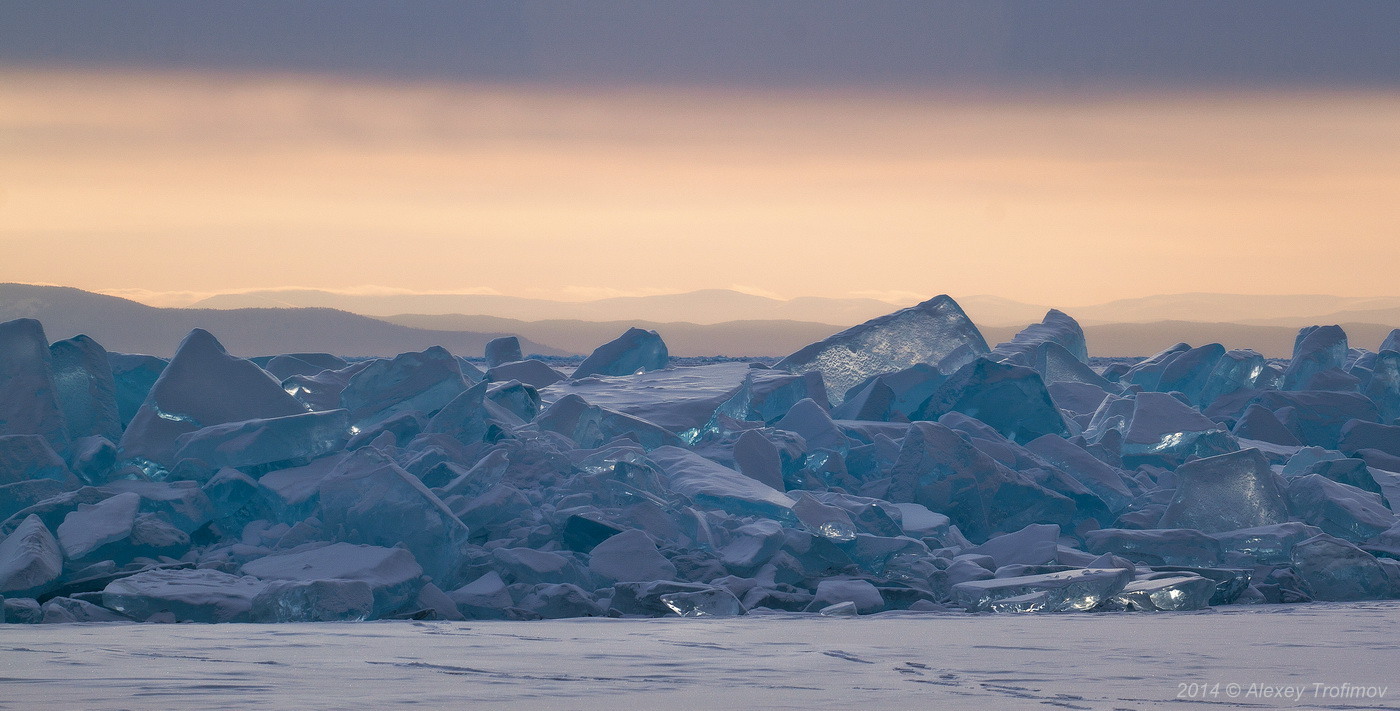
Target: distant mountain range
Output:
[(714, 306), (128, 326)]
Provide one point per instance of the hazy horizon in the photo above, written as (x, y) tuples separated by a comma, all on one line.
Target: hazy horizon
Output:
[(1066, 156)]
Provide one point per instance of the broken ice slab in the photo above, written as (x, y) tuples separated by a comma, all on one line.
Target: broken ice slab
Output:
[(30, 560), (1033, 545), (85, 388), (202, 386), (1337, 570), (635, 351), (1267, 545), (1338, 509), (1383, 385), (410, 382), (1165, 431), (1068, 591), (1104, 481), (255, 445), (840, 609), (812, 421), (678, 399), (1230, 583), (927, 333), (392, 576), (1316, 417), (370, 499), (1226, 493), (1009, 398), (1166, 592), (590, 426), (712, 485), (860, 593), (713, 602), (28, 395), (505, 349), (630, 556), (27, 457), (190, 595), (1057, 328), (1316, 349), (1175, 546), (314, 601)]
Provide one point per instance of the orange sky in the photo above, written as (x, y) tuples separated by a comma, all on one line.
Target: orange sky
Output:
[(195, 183)]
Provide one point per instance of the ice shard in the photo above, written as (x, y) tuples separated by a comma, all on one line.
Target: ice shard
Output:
[(291, 440), (30, 560), (1068, 591), (1226, 493), (635, 351), (1316, 350), (1057, 327), (505, 349), (1010, 398), (86, 389), (1337, 570), (928, 333), (1166, 592), (28, 396), (1165, 431), (202, 386), (421, 382)]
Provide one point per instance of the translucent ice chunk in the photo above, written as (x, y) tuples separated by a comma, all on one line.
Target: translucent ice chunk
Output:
[(635, 351), (840, 609), (1011, 399), (590, 426), (926, 333), (85, 388), (713, 602), (1269, 545), (505, 349), (1171, 546), (203, 386), (314, 601), (1057, 327), (1343, 511), (1067, 591), (293, 440), (1165, 430), (422, 382), (1337, 570), (1226, 493), (1171, 592), (1316, 349), (712, 485)]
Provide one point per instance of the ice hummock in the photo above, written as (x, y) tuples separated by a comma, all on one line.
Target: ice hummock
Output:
[(722, 489), (935, 332)]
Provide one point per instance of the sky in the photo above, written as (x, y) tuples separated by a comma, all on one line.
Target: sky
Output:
[(1062, 153)]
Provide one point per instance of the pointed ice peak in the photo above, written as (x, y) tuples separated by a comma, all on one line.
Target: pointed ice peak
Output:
[(936, 332)]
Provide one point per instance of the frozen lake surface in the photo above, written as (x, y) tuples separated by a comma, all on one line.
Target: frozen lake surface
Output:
[(904, 661)]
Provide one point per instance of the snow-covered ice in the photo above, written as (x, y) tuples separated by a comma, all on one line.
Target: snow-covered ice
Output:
[(787, 661)]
